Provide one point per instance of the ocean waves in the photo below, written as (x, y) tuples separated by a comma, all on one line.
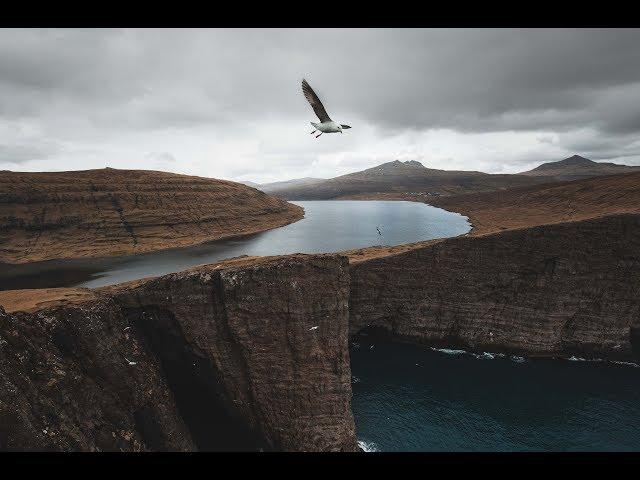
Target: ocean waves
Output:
[(479, 356), (368, 446), (519, 359)]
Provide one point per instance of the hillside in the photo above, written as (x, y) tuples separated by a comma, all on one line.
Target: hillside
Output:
[(524, 207), (534, 205), (296, 182), (577, 167), (409, 176), (547, 204), (109, 212)]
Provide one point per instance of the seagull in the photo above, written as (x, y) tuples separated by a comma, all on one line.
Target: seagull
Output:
[(379, 232), (327, 125)]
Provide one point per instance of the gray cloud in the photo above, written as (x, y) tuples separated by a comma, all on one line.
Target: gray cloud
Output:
[(22, 153), (97, 89)]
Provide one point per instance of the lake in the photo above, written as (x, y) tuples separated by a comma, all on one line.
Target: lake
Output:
[(328, 226), (411, 398)]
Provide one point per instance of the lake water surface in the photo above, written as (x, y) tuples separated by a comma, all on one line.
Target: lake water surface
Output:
[(328, 226)]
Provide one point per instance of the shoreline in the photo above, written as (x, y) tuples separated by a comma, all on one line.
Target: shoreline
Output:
[(111, 213), (222, 238)]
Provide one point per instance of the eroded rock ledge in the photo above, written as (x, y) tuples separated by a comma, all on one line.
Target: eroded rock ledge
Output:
[(253, 353), (552, 290), (240, 356)]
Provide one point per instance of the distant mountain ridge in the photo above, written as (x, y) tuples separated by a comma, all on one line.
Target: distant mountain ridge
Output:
[(296, 182), (275, 186), (407, 176), (414, 178), (576, 168)]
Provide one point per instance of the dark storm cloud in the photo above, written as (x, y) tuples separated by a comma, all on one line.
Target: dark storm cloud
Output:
[(73, 84), (471, 80)]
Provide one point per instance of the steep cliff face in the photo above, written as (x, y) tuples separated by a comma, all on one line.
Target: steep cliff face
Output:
[(561, 289), (253, 353), (266, 340), (67, 383), (108, 212), (248, 354)]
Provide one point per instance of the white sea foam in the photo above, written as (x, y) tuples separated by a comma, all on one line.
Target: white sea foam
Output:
[(479, 356), (573, 358), (368, 446), (449, 351), (576, 359), (519, 359), (487, 355), (626, 364)]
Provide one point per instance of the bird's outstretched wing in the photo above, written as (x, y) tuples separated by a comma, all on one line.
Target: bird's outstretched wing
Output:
[(315, 102)]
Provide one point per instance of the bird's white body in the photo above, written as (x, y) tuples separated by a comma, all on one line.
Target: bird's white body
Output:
[(327, 127)]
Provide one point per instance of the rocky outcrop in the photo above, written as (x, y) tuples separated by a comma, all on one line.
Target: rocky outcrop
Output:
[(267, 341), (253, 353), (240, 356), (107, 212), (564, 289), (68, 383)]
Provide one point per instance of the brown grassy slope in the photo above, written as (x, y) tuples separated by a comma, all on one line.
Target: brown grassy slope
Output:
[(526, 207), (576, 168), (408, 176), (34, 299), (546, 204), (115, 212)]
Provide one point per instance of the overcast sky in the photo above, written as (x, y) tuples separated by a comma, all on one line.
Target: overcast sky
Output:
[(228, 104)]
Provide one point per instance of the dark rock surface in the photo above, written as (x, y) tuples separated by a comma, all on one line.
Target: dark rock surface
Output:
[(66, 383), (233, 357), (265, 340), (253, 353), (563, 289)]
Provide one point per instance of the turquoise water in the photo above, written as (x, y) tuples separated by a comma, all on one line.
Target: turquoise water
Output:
[(410, 398), (328, 226)]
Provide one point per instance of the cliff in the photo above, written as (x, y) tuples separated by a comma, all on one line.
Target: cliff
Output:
[(247, 354), (559, 202), (253, 352), (66, 384), (552, 290), (118, 212)]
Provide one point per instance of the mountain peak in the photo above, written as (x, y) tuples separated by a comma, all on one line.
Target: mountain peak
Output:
[(575, 160), (398, 163)]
